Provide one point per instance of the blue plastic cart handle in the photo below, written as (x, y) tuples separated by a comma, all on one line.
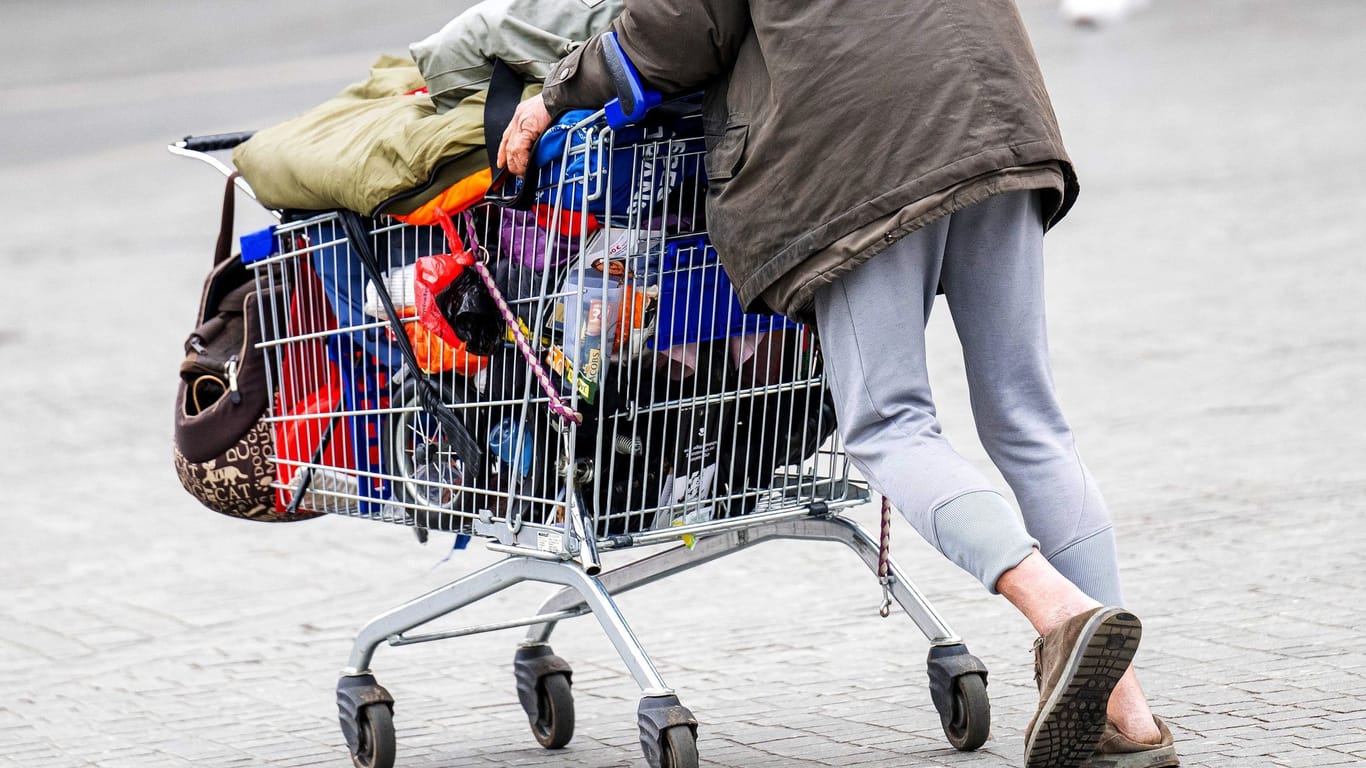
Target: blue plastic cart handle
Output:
[(633, 98)]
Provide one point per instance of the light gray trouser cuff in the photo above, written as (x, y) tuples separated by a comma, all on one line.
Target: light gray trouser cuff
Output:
[(980, 532), (1090, 564)]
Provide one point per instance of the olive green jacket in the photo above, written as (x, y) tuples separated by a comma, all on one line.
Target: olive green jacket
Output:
[(376, 147), (825, 117)]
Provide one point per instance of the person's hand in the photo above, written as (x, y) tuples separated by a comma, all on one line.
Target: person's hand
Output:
[(528, 123)]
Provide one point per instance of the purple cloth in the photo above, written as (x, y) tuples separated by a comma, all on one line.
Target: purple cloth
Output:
[(531, 245)]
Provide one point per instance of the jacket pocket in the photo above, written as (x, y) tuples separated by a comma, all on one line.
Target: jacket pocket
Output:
[(725, 157)]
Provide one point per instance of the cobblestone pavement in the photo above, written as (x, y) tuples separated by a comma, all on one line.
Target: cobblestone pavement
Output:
[(1210, 345)]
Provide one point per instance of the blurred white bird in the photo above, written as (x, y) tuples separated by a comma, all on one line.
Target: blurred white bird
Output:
[(1097, 12)]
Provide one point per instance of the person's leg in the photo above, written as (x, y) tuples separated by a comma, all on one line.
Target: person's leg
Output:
[(1048, 599), (993, 282), (871, 325), (872, 342)]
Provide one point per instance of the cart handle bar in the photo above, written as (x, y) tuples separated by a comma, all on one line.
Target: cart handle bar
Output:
[(214, 142), (633, 98), (201, 148)]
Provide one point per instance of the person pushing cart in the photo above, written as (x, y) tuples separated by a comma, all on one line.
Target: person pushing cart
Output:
[(860, 158), (568, 369)]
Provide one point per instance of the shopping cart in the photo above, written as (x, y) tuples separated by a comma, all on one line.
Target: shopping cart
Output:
[(604, 391)]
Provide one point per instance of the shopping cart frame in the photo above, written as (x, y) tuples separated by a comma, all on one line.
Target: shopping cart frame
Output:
[(668, 730)]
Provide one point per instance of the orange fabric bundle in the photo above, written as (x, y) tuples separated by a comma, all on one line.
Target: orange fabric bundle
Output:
[(455, 198), (434, 355)]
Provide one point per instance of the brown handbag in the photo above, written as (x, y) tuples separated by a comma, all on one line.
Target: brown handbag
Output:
[(223, 445)]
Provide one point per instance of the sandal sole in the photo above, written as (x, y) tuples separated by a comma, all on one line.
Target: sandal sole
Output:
[(1071, 722)]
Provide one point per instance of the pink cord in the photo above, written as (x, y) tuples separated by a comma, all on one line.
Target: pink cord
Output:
[(557, 405)]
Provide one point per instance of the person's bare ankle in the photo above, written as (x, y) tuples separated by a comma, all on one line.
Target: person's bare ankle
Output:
[(1133, 729), (1042, 594), (1062, 613), (1128, 711)]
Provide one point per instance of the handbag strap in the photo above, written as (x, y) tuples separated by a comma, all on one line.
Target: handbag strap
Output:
[(223, 251)]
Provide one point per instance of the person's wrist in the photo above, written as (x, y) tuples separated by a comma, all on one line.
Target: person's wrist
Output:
[(550, 97)]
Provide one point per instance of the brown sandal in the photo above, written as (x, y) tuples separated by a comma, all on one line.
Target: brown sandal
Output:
[(1116, 750)]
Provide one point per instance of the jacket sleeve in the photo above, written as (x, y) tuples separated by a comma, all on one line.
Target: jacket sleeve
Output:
[(453, 61), (528, 35), (676, 45)]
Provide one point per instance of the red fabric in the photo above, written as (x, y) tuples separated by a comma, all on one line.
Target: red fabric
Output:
[(433, 274), (436, 272), (571, 222), (309, 385)]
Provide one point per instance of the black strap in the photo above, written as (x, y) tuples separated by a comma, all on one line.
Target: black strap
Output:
[(223, 251), (306, 479), (430, 395), (505, 93)]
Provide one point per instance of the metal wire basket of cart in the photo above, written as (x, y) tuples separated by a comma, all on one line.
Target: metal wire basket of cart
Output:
[(559, 380)]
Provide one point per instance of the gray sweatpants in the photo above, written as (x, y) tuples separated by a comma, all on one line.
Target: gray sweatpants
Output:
[(989, 258)]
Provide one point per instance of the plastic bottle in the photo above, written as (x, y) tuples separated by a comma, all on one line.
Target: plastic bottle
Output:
[(503, 443)]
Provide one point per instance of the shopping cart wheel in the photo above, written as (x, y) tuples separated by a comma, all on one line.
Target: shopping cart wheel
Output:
[(970, 721), (543, 688), (375, 747), (668, 733), (554, 723), (958, 687), (679, 748), (367, 721)]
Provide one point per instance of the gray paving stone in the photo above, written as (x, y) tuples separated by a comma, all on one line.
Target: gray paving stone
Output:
[(1209, 345)]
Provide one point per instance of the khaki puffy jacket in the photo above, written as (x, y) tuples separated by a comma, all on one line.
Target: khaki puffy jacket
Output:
[(375, 147)]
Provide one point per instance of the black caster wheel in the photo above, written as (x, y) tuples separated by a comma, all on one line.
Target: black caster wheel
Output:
[(375, 743), (366, 713), (958, 687), (668, 733), (553, 725), (544, 683), (678, 748), (969, 722)]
